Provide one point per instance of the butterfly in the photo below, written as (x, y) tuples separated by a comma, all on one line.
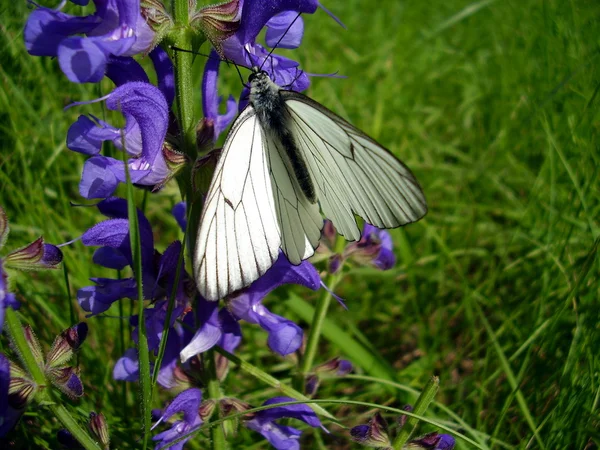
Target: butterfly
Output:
[(286, 159)]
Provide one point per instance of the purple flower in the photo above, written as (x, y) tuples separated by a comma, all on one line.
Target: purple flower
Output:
[(188, 403), (285, 336), (375, 247), (158, 271), (211, 100), (34, 256), (146, 113), (282, 437), (277, 15), (116, 28), (214, 327), (179, 211), (221, 327), (434, 441)]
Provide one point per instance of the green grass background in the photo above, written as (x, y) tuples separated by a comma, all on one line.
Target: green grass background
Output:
[(494, 106)]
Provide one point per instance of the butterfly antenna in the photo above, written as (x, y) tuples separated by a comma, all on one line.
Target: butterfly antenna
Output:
[(280, 39), (225, 60), (298, 75)]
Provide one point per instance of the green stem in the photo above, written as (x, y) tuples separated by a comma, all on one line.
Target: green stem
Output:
[(14, 328), (182, 37), (272, 381), (314, 334), (421, 406), (214, 392), (143, 351)]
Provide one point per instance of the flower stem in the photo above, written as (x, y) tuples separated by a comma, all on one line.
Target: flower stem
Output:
[(181, 37), (421, 406), (143, 351), (312, 343), (14, 328), (214, 392)]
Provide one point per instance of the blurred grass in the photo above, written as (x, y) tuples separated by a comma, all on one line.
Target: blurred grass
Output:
[(494, 106)]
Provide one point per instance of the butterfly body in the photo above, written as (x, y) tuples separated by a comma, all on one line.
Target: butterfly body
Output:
[(274, 117), (286, 162)]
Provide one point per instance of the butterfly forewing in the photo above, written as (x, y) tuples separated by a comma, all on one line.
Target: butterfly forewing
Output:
[(238, 239)]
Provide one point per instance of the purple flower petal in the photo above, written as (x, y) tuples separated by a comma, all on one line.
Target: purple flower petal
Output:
[(9, 416), (110, 257), (277, 28), (52, 256), (97, 299), (127, 367), (100, 177), (111, 233), (86, 136), (83, 60), (211, 100), (164, 73), (300, 411), (279, 436), (187, 402), (256, 13), (284, 336), (47, 28), (180, 213), (124, 69), (208, 332)]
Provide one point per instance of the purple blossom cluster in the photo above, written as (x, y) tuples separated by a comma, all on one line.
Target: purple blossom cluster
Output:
[(103, 45)]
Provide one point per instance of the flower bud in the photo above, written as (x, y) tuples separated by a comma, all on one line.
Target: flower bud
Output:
[(231, 406), (34, 345), (66, 439), (218, 22), (205, 135), (374, 248), (335, 262), (206, 410), (203, 170), (155, 13), (175, 160), (374, 434), (433, 441), (4, 228), (337, 366), (311, 384), (34, 256), (21, 391), (99, 428), (222, 367), (403, 418), (66, 344), (67, 380)]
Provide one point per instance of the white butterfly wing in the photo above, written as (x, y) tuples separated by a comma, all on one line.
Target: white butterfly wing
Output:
[(300, 221), (352, 173), (253, 207), (239, 236)]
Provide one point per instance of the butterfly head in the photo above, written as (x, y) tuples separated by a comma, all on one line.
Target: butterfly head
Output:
[(257, 75)]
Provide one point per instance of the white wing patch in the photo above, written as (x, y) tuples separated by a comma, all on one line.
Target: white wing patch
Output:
[(239, 238), (352, 173), (300, 221)]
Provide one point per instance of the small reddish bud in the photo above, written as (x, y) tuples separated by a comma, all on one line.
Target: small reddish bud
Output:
[(99, 428)]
